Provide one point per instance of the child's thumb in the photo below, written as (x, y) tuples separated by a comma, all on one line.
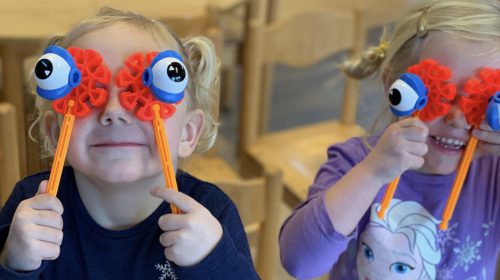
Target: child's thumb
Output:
[(42, 188)]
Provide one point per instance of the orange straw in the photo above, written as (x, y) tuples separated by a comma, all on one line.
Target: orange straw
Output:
[(389, 193), (459, 181), (61, 150), (166, 160)]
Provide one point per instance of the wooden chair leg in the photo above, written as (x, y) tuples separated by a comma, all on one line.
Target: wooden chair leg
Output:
[(268, 250)]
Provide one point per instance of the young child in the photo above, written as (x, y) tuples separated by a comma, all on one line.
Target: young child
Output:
[(111, 218), (335, 231)]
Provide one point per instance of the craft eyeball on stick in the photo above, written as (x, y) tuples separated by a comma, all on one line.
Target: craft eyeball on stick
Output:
[(407, 95), (474, 105), (59, 78), (153, 83), (423, 91)]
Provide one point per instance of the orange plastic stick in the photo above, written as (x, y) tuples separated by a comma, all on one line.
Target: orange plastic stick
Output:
[(61, 150), (463, 168), (389, 193), (166, 160)]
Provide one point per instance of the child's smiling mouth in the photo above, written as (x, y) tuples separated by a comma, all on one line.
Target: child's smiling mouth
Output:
[(118, 145), (448, 144)]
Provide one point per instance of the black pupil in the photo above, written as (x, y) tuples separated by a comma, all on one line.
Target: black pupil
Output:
[(176, 72), (43, 69), (394, 96)]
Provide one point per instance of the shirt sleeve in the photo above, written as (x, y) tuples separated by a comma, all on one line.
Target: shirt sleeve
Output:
[(231, 258), (309, 244)]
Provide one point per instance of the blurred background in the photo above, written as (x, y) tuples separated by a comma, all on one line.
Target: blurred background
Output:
[(282, 98)]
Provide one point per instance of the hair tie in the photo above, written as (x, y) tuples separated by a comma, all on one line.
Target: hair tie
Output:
[(382, 49), (422, 26)]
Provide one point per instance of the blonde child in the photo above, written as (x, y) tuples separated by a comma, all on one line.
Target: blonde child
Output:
[(111, 218), (333, 231)]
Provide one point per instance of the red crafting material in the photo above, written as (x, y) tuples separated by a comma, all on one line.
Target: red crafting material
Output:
[(478, 91), (92, 90), (441, 92), (137, 97)]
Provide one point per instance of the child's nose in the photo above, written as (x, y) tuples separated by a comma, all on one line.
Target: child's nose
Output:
[(456, 118), (113, 112)]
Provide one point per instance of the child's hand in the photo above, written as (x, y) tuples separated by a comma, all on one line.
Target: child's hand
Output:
[(189, 237), (401, 147), (489, 140), (35, 232)]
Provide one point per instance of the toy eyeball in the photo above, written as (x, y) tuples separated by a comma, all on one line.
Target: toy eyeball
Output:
[(493, 112), (407, 94), (167, 77), (56, 73)]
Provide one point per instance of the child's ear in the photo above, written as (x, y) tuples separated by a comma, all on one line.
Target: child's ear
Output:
[(52, 128), (191, 132)]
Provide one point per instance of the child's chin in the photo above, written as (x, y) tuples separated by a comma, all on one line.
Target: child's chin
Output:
[(444, 169), (120, 174)]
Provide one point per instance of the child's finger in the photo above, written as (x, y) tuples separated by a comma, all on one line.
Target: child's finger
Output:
[(42, 188), (409, 122), (182, 201), (168, 239), (488, 149), (170, 222), (418, 149), (48, 218), (48, 234), (48, 250), (485, 126), (415, 133), (415, 162), (488, 136), (47, 202)]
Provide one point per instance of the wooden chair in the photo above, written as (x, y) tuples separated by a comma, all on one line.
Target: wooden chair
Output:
[(258, 205), (300, 40), (208, 166), (369, 14), (9, 157)]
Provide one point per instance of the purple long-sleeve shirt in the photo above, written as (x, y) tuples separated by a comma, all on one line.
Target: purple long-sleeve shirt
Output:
[(407, 244)]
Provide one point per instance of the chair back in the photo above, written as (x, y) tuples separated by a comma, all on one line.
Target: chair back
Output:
[(300, 40), (9, 151)]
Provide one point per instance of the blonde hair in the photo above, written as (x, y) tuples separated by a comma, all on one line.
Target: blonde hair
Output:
[(477, 20), (197, 52)]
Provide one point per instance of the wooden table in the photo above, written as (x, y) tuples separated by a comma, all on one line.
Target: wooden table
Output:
[(26, 24)]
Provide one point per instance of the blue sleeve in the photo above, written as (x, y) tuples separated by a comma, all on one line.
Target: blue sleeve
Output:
[(19, 194), (231, 258)]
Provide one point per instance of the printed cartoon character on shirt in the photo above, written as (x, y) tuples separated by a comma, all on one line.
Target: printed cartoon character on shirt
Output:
[(402, 246)]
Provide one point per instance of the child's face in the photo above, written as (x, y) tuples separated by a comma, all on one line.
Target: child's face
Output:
[(111, 145), (464, 58)]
